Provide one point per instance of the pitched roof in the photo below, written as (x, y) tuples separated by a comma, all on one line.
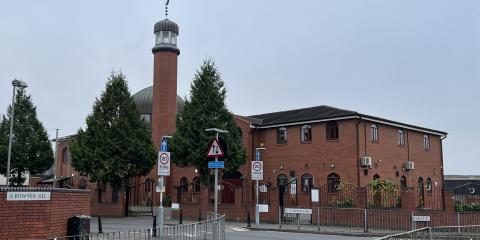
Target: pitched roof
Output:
[(323, 113), (302, 115)]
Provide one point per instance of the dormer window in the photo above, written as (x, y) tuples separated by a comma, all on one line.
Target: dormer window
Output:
[(306, 133), (282, 135)]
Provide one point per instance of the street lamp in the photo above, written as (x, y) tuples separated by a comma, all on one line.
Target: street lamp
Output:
[(161, 183), (16, 84), (215, 207), (257, 207)]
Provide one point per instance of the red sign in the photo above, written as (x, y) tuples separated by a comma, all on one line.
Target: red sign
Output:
[(214, 150)]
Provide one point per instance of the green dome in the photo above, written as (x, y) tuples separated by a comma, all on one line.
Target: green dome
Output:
[(143, 100)]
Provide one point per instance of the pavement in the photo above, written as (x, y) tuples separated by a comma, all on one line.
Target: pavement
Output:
[(239, 230)]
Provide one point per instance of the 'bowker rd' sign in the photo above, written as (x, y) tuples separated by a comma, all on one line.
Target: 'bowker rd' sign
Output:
[(28, 196)]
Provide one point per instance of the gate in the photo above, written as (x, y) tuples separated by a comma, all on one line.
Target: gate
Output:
[(140, 199)]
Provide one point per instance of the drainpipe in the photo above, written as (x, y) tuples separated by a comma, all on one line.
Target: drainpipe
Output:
[(441, 170), (358, 152)]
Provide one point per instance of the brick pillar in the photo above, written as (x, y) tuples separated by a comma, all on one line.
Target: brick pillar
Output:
[(361, 197), (449, 202), (408, 196)]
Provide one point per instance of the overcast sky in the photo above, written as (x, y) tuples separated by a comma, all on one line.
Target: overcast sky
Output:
[(416, 62)]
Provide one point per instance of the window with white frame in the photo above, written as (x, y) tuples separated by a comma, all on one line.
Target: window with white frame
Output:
[(401, 137), (374, 133), (306, 134), (282, 135), (426, 142)]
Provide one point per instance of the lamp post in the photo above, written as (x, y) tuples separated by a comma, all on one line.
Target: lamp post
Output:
[(161, 184), (215, 207), (20, 84), (257, 207)]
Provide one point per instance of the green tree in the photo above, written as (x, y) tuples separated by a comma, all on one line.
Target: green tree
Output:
[(206, 109), (31, 148), (116, 143)]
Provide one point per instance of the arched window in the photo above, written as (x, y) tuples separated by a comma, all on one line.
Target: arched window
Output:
[(333, 182), (401, 137), (307, 182), (428, 184), (306, 134), (282, 135), (376, 177), (196, 184), (374, 133), (403, 182), (282, 181), (65, 155), (332, 131), (183, 184), (420, 182), (148, 185), (426, 142)]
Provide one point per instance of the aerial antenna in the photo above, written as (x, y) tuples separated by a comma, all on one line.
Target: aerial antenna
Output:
[(166, 8)]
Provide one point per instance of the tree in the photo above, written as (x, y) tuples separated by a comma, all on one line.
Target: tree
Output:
[(116, 143), (31, 148), (206, 109)]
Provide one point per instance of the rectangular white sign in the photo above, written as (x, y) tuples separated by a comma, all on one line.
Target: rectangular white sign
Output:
[(175, 206), (163, 164), (421, 218), (298, 211), (315, 195), (28, 196), (263, 207), (257, 170)]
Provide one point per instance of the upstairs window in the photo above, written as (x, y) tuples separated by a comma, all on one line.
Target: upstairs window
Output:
[(306, 134), (282, 135), (332, 131), (374, 133), (146, 117), (429, 184), (401, 137), (65, 155), (426, 142)]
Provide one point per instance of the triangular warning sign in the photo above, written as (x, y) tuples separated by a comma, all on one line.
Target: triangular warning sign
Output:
[(215, 150)]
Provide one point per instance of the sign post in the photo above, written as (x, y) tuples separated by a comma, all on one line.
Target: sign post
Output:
[(215, 150), (163, 169), (257, 174)]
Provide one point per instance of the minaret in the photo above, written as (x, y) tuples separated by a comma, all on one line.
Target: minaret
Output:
[(164, 104)]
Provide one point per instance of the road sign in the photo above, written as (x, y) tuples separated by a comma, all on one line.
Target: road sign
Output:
[(215, 150), (263, 207), (219, 164), (163, 164), (164, 145), (257, 170), (257, 155), (307, 211)]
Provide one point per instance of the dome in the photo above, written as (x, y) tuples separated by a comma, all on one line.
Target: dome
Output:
[(166, 25), (143, 101)]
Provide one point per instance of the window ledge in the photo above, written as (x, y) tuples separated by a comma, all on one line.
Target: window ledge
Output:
[(306, 142), (332, 140)]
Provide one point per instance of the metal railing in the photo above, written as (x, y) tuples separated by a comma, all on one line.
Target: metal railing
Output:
[(211, 229), (450, 232)]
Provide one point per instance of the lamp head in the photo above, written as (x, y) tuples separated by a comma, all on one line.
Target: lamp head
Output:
[(19, 84)]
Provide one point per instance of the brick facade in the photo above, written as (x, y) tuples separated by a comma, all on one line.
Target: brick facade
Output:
[(41, 219)]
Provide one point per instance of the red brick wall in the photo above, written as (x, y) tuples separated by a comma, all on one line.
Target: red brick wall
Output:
[(41, 219)]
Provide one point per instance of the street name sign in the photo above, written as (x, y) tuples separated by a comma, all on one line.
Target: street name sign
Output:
[(28, 196), (163, 164), (257, 170), (421, 218), (215, 150), (219, 164), (307, 211)]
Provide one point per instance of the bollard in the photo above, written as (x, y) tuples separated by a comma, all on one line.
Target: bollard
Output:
[(248, 219), (100, 228), (180, 220), (154, 226), (365, 221), (199, 215)]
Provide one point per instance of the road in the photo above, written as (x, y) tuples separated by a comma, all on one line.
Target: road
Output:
[(237, 233)]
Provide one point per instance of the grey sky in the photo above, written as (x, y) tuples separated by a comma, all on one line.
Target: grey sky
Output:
[(412, 61)]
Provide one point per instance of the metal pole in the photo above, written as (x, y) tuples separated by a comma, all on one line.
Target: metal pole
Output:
[(55, 161), (160, 208), (257, 207), (10, 138), (216, 185)]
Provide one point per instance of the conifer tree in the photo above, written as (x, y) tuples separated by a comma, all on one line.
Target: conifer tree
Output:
[(206, 109), (116, 143), (31, 148)]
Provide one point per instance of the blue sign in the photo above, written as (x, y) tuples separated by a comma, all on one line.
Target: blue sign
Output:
[(258, 155), (219, 164), (164, 145)]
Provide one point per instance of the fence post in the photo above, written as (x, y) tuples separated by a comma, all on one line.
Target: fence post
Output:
[(413, 222), (154, 226), (248, 219), (458, 222), (100, 228), (279, 217), (430, 233), (298, 221), (318, 218), (365, 221)]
